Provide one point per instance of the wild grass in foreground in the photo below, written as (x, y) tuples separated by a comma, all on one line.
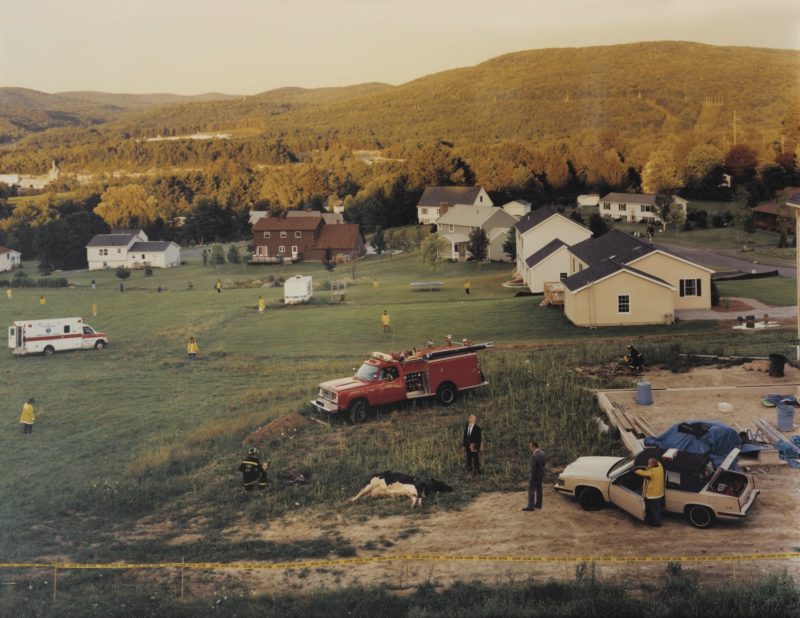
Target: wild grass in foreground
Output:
[(678, 595)]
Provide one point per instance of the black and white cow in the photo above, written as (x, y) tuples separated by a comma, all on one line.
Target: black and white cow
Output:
[(388, 483)]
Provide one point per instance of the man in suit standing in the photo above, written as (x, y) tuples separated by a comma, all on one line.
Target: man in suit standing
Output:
[(472, 445), (535, 477)]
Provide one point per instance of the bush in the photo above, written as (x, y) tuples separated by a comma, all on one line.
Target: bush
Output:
[(123, 272), (217, 254), (233, 255), (148, 272)]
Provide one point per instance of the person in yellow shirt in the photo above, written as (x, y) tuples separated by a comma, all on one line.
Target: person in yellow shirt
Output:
[(386, 320), (8, 293), (466, 287), (27, 416), (94, 309), (192, 348), (42, 300), (262, 304), (653, 490), (375, 284)]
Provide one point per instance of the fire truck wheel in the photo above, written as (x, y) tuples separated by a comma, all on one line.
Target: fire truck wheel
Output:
[(358, 411), (49, 350), (447, 393), (100, 344)]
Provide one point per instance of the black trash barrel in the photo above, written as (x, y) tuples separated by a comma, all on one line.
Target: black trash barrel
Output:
[(776, 363)]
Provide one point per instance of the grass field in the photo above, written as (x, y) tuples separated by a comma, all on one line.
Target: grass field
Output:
[(776, 291), (137, 430)]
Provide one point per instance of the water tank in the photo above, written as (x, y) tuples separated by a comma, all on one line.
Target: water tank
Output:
[(644, 393), (785, 417)]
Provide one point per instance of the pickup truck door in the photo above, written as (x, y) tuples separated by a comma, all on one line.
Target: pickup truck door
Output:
[(392, 387), (621, 494)]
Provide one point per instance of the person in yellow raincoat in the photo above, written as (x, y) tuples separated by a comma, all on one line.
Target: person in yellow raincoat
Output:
[(386, 320), (192, 348), (42, 300), (262, 304), (27, 417), (653, 490)]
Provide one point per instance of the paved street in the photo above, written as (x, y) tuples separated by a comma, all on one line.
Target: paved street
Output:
[(722, 261)]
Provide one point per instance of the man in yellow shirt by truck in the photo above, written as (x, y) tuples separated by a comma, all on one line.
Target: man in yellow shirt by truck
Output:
[(653, 491), (27, 416)]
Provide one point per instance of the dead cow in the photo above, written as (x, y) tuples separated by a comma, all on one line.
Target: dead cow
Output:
[(387, 484)]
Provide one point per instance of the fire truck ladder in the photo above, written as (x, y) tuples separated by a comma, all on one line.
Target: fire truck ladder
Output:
[(456, 350)]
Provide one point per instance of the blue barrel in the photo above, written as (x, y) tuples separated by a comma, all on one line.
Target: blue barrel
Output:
[(644, 394), (785, 417)]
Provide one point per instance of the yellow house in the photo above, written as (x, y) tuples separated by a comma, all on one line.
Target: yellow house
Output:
[(617, 279)]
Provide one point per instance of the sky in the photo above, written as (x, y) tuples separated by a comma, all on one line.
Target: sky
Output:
[(250, 46)]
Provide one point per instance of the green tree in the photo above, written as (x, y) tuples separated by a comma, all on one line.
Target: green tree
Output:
[(510, 244), (598, 224), (123, 272), (378, 241), (217, 254), (478, 244), (233, 255), (433, 251), (128, 206), (660, 172), (61, 244)]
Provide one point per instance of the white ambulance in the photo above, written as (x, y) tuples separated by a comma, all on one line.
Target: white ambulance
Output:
[(54, 335)]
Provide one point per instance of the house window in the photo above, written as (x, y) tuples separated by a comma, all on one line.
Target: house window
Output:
[(451, 228), (424, 211), (562, 276), (480, 199), (119, 250), (283, 234), (294, 249), (282, 249), (690, 287), (103, 251), (623, 303), (298, 234), (266, 234), (606, 206), (142, 255), (622, 207), (648, 208)]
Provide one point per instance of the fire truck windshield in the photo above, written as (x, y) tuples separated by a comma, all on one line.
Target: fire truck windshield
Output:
[(367, 372)]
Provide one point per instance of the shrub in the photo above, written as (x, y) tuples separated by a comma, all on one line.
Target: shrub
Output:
[(148, 272), (217, 254), (233, 255), (123, 272)]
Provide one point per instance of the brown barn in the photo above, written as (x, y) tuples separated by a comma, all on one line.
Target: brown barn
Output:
[(306, 238)]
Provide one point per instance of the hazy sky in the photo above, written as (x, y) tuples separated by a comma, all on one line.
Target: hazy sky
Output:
[(248, 46)]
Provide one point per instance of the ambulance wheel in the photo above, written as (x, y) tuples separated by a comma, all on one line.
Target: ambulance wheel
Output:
[(447, 393), (100, 345), (49, 350), (358, 411)]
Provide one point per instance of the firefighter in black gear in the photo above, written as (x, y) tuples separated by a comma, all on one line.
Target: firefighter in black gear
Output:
[(253, 473), (634, 359)]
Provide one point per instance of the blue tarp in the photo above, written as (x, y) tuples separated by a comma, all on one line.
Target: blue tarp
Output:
[(710, 438)]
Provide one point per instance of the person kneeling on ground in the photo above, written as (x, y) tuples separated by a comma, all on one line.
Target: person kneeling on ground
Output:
[(634, 359), (253, 473)]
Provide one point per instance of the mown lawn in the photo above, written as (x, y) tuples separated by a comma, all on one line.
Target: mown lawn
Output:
[(776, 291), (138, 430)]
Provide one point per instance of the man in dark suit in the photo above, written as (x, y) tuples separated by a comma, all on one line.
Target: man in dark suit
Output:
[(472, 445), (535, 477)]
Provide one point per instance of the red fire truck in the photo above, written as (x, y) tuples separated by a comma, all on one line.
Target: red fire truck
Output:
[(441, 371)]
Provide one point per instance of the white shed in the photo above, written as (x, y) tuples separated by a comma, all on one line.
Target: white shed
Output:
[(297, 289)]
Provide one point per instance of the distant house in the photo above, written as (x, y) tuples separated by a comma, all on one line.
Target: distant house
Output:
[(539, 256), (776, 216), (132, 249), (589, 199), (436, 200), (9, 259), (635, 207), (31, 182), (517, 208), (460, 220), (306, 238), (617, 279)]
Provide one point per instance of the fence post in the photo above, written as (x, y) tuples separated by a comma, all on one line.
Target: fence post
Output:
[(55, 583), (181, 578)]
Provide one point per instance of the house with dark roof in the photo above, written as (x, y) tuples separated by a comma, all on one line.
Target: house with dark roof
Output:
[(132, 249), (306, 238), (617, 279), (9, 259), (777, 215), (537, 231), (436, 200), (636, 207)]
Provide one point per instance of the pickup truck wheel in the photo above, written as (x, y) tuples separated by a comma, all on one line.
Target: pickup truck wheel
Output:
[(49, 350), (447, 393), (700, 516), (99, 345), (590, 499), (358, 411)]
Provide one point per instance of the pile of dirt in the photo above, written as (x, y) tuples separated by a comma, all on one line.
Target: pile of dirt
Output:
[(283, 425)]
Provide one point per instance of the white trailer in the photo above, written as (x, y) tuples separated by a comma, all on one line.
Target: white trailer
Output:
[(297, 289), (54, 335)]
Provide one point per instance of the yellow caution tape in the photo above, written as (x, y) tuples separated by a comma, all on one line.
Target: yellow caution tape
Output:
[(207, 566)]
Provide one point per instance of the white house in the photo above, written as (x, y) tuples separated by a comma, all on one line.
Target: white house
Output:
[(31, 182), (517, 208), (436, 200), (460, 220), (130, 248), (9, 258), (538, 231), (635, 207), (588, 199)]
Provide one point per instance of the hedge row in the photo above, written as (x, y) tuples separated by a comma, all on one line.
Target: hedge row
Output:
[(27, 282)]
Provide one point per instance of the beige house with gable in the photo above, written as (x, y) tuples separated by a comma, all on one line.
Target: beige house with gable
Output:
[(132, 249), (9, 259), (460, 220), (435, 201), (617, 279)]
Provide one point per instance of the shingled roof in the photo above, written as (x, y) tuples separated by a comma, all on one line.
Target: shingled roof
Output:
[(630, 198), (288, 224), (111, 240), (7, 250), (434, 196), (539, 216), (550, 248), (151, 245), (338, 236), (604, 269), (611, 245)]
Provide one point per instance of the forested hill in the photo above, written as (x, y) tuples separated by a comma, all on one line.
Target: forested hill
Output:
[(663, 88), (629, 96)]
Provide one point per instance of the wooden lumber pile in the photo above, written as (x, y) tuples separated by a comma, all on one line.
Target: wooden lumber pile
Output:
[(619, 419)]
